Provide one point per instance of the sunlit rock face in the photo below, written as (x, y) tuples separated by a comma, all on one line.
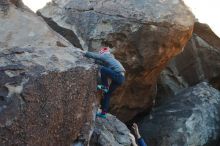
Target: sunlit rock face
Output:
[(198, 62), (144, 35), (191, 118), (47, 87)]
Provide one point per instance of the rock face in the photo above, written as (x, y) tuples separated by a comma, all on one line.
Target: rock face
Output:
[(199, 61), (144, 35), (47, 87), (191, 118), (169, 83), (110, 132)]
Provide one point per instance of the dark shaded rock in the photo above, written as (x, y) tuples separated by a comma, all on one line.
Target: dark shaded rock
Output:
[(198, 62), (17, 3), (68, 34), (189, 118), (215, 82), (110, 132), (169, 83), (202, 63), (4, 6), (206, 33), (144, 36), (47, 91)]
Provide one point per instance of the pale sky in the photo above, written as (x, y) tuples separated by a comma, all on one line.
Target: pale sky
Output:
[(35, 4), (207, 11)]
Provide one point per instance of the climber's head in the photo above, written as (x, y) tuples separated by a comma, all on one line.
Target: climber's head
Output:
[(104, 50)]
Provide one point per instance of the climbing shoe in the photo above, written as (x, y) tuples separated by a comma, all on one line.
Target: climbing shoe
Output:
[(101, 115), (103, 88)]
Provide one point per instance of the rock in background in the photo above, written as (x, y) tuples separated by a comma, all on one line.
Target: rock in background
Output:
[(198, 62), (191, 118), (110, 132), (144, 35), (47, 87)]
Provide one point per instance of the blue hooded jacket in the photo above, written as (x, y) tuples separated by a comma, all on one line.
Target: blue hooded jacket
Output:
[(107, 60)]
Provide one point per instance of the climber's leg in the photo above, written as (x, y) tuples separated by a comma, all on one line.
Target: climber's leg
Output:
[(105, 74), (116, 80), (107, 96), (106, 100)]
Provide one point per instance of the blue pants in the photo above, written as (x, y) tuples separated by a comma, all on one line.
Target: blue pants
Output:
[(116, 80)]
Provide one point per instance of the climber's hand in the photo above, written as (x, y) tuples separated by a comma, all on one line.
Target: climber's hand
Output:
[(132, 139), (136, 130), (83, 51)]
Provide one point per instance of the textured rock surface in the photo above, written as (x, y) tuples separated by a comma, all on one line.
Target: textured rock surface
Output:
[(199, 61), (191, 118), (110, 132), (144, 35), (47, 88), (169, 83)]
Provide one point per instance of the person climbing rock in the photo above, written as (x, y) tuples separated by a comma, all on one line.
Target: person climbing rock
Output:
[(140, 140), (110, 68)]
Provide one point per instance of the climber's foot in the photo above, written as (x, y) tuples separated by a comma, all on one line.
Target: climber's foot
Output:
[(101, 115), (103, 88)]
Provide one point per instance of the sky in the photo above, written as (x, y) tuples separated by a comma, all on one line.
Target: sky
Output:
[(207, 11), (35, 4)]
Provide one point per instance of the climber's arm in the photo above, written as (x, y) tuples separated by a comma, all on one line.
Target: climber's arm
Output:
[(99, 62), (94, 56), (141, 142)]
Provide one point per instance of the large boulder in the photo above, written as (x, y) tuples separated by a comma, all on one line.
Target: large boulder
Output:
[(110, 132), (144, 35), (198, 62), (191, 118), (47, 87)]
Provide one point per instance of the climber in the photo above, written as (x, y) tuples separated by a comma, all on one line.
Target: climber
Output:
[(140, 140), (110, 68)]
